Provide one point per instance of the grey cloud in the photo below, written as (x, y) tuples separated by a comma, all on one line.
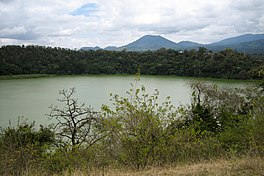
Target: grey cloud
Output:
[(18, 33), (27, 36), (159, 30), (173, 27), (248, 5), (6, 1), (249, 15)]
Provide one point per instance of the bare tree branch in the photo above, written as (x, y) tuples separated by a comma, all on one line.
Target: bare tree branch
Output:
[(75, 123)]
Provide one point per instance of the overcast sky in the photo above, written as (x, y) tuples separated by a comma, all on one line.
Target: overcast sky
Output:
[(77, 23)]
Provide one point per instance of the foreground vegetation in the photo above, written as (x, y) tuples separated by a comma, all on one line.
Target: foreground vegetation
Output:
[(16, 60), (136, 136)]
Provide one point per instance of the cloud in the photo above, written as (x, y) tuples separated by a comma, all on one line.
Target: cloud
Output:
[(19, 33), (247, 5), (100, 22), (6, 1)]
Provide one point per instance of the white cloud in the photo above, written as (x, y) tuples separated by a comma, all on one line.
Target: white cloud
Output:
[(77, 23)]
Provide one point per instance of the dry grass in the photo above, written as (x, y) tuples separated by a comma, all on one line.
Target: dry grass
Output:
[(247, 166), (232, 167)]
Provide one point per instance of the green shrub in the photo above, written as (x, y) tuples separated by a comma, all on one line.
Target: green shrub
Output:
[(137, 126), (22, 146)]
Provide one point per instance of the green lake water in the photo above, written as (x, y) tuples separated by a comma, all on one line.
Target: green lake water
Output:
[(31, 98)]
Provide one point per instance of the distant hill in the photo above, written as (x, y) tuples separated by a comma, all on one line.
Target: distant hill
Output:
[(150, 42), (252, 47), (90, 48), (188, 45), (240, 39), (111, 48), (248, 43)]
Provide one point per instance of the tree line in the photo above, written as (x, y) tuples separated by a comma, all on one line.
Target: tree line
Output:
[(136, 131), (228, 63)]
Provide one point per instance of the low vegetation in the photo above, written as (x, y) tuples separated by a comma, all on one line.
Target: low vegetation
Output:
[(220, 133)]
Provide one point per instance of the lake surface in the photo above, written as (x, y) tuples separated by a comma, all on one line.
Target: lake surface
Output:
[(31, 98)]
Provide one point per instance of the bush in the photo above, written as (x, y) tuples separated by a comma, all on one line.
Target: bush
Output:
[(22, 147), (137, 126)]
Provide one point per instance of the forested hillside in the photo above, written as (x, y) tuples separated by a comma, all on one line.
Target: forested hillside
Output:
[(196, 63)]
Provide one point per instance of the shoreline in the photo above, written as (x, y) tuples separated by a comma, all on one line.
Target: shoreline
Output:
[(33, 76)]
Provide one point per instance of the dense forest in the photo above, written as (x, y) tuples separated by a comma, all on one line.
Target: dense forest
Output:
[(195, 63)]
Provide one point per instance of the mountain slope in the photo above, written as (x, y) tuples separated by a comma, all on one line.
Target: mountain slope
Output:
[(252, 47), (150, 42), (188, 44), (240, 39)]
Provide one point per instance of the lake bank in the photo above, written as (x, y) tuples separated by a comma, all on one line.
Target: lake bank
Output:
[(27, 76), (33, 76)]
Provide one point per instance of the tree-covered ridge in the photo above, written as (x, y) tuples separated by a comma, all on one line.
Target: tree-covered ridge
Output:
[(196, 63)]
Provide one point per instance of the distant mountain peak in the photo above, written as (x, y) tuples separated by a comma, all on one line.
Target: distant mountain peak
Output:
[(150, 36), (147, 38), (111, 48), (150, 42), (189, 44)]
